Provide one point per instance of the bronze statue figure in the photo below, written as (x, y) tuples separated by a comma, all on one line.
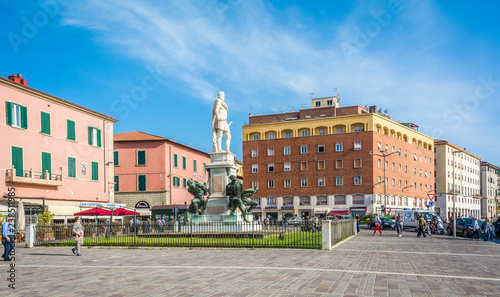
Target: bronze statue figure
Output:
[(238, 198), (198, 203)]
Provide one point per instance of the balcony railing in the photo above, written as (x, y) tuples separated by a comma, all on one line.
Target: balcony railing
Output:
[(305, 203), (322, 203), (288, 203), (34, 177)]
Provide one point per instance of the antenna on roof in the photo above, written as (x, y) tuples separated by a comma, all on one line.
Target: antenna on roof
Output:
[(251, 110)]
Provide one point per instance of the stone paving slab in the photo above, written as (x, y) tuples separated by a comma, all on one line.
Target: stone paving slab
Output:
[(364, 265)]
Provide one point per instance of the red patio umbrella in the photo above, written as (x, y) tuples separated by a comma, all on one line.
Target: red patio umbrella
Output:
[(94, 212), (124, 212)]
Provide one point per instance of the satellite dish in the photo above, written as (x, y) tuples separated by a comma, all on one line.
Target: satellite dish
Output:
[(386, 111)]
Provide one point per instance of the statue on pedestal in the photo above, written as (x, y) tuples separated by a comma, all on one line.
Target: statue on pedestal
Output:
[(198, 191), (220, 126), (238, 198)]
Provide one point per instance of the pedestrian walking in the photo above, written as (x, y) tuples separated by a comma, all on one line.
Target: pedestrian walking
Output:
[(476, 230), (421, 224), (356, 216), (284, 221), (7, 238), (78, 234), (487, 230), (267, 222), (377, 225), (180, 222), (399, 224)]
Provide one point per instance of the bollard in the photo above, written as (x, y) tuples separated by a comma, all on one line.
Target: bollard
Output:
[(30, 235)]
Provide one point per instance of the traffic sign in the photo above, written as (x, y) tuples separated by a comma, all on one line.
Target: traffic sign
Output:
[(431, 196), (431, 203)]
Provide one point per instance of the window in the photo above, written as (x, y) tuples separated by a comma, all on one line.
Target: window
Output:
[(425, 160), (17, 115), (357, 145), (271, 201), (399, 167), (287, 166), (304, 132), (288, 134), (255, 152), (45, 123), (286, 150), (400, 183), (303, 182), (339, 163), (339, 130), (321, 164), (116, 159), (71, 167), (95, 171), (271, 135), (270, 167), (195, 166), (406, 169), (287, 183), (47, 165), (393, 149), (386, 147), (303, 149), (117, 183), (357, 128), (420, 172), (415, 157), (321, 131), (393, 166), (94, 136), (270, 151), (406, 154), (318, 103), (270, 183), (393, 182), (256, 137), (339, 180), (357, 180), (255, 168), (141, 183), (414, 171), (357, 163), (339, 200), (321, 181), (420, 158), (70, 127), (255, 184), (17, 160), (358, 199), (303, 165), (321, 148), (176, 162), (184, 183), (379, 146), (184, 166), (329, 102), (379, 163), (338, 146), (176, 181), (141, 157)]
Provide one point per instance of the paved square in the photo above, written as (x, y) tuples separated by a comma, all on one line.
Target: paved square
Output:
[(362, 266)]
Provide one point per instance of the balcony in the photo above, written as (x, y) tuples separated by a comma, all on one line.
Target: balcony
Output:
[(34, 178)]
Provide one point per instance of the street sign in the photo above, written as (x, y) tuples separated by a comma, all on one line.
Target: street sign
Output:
[(431, 196), (431, 203), (96, 204)]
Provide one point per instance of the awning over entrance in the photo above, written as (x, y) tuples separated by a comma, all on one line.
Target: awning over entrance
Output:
[(321, 209), (338, 212)]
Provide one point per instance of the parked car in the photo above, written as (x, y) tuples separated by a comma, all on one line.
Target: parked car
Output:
[(464, 227), (295, 221), (386, 223)]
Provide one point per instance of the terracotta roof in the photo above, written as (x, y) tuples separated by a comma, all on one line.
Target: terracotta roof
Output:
[(137, 136), (57, 99)]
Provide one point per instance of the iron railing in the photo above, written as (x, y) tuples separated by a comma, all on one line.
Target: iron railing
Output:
[(341, 229), (306, 235)]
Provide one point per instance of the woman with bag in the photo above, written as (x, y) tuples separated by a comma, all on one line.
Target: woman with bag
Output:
[(78, 235)]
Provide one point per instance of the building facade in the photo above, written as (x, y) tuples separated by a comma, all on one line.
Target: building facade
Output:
[(53, 151), (490, 190), (152, 170), (457, 175), (325, 160)]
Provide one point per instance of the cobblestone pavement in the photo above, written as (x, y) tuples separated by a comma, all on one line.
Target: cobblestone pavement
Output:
[(361, 266)]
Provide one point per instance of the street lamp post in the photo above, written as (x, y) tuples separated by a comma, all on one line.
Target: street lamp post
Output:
[(454, 206), (384, 155)]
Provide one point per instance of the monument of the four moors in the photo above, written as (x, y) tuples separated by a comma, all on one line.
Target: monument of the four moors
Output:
[(227, 201)]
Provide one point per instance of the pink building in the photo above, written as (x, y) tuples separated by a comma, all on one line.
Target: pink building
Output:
[(53, 149), (152, 170)]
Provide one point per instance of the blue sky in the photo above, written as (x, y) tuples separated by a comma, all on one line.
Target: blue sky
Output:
[(157, 66)]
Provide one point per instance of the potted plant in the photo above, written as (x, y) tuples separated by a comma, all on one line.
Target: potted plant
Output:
[(46, 220)]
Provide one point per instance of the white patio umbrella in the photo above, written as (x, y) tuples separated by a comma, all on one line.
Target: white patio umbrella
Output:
[(21, 220)]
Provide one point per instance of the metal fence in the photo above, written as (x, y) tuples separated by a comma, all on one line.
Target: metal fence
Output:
[(172, 234)]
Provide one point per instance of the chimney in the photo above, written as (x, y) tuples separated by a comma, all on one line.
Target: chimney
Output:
[(18, 79)]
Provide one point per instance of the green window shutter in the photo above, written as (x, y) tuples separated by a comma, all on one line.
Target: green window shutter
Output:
[(90, 135), (45, 123), (47, 164), (194, 166), (117, 183), (141, 157), (71, 167), (183, 162), (8, 112), (142, 183), (95, 171), (98, 137), (175, 161), (71, 129), (116, 161), (17, 160), (184, 183), (24, 117)]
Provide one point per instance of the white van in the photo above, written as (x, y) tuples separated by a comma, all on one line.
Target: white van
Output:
[(411, 216)]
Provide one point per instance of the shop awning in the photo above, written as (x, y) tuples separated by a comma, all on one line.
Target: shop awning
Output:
[(322, 210), (339, 212)]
